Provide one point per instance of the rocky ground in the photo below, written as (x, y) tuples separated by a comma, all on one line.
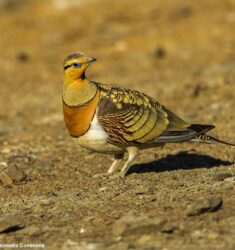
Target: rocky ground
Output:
[(180, 196)]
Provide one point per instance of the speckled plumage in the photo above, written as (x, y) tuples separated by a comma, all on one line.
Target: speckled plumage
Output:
[(133, 118)]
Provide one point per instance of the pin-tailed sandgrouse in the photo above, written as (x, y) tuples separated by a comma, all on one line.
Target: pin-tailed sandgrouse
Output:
[(115, 120)]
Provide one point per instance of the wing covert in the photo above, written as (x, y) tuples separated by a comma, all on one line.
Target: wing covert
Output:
[(130, 117)]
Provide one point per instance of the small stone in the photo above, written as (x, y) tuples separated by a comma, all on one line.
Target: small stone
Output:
[(5, 179), (221, 176), (141, 190), (89, 156), (144, 239), (205, 205), (3, 165), (70, 245), (82, 230), (148, 242), (198, 234), (23, 56), (11, 174), (159, 52), (73, 245), (197, 90), (9, 223), (16, 174), (38, 208), (51, 194), (5, 150), (130, 224), (168, 229), (213, 235), (183, 11)]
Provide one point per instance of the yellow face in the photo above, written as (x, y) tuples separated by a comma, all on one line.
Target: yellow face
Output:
[(76, 64)]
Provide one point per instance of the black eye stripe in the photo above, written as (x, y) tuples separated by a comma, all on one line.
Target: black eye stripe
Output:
[(67, 66), (73, 64)]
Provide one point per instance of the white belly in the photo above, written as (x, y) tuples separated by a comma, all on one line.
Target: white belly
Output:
[(96, 139)]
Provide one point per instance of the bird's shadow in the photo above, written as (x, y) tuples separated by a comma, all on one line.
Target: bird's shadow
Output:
[(181, 160)]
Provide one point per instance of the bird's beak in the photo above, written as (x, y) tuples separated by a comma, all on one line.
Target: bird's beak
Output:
[(90, 60)]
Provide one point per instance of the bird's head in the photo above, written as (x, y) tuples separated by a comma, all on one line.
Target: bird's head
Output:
[(76, 64)]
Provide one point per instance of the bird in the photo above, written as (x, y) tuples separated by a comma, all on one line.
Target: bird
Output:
[(114, 120)]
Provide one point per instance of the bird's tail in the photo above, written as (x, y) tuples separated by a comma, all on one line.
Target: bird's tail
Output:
[(194, 133), (187, 134), (210, 139)]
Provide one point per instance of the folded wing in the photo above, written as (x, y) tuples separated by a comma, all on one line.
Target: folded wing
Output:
[(130, 117)]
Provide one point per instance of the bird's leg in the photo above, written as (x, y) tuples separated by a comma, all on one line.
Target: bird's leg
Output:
[(132, 153), (117, 159)]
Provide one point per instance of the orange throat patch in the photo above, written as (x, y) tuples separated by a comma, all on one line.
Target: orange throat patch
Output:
[(78, 119)]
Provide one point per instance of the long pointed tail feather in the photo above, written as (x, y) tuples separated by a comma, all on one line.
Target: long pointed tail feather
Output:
[(210, 139), (188, 134), (194, 133)]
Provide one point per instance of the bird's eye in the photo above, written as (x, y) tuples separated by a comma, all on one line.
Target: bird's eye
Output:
[(77, 65)]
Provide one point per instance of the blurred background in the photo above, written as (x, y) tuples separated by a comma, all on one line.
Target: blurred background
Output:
[(180, 52)]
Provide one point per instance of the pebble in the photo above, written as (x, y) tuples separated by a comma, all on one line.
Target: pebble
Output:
[(82, 230), (168, 229), (3, 165), (141, 190), (147, 241), (222, 176), (9, 223), (160, 52), (23, 56), (30, 230), (5, 179), (144, 239), (204, 205), (213, 235), (16, 174), (12, 174), (198, 234), (73, 245), (102, 189), (131, 224), (6, 150)]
